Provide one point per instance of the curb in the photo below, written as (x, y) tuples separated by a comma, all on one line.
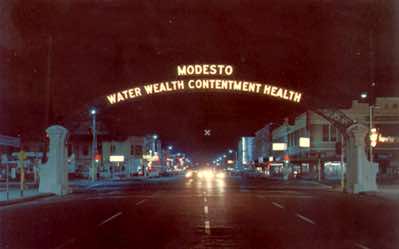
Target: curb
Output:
[(25, 199)]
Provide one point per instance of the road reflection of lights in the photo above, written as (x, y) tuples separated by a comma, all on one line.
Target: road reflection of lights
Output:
[(221, 184), (189, 182), (199, 184), (189, 174), (209, 184), (220, 175)]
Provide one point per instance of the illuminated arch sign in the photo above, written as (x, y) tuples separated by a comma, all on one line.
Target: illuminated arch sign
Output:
[(205, 84)]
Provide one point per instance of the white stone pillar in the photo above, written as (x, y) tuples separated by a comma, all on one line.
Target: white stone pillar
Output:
[(54, 173), (361, 174)]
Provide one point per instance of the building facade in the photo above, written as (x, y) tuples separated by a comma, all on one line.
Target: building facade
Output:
[(115, 155), (323, 157), (245, 152), (385, 118), (123, 157), (319, 159), (262, 144)]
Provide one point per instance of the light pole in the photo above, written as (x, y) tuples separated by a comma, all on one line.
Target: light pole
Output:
[(169, 160), (93, 113), (365, 95), (154, 139), (343, 162)]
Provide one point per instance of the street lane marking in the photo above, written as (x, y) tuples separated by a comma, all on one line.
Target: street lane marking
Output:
[(206, 209), (117, 197), (305, 219), (66, 243), (286, 196), (110, 218), (141, 202), (361, 246), (277, 205), (207, 227)]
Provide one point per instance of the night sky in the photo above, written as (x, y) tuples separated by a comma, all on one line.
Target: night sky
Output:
[(321, 48)]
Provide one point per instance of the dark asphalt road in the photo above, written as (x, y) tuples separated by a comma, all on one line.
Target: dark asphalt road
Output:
[(230, 213)]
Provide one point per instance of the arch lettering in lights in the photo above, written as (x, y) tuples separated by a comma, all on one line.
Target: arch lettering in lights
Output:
[(209, 81)]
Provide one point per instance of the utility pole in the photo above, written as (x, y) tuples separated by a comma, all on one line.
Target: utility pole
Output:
[(342, 162), (93, 146), (371, 127), (372, 69)]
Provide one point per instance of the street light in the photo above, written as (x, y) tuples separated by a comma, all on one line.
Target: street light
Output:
[(170, 147), (93, 113), (154, 146), (230, 151), (364, 95)]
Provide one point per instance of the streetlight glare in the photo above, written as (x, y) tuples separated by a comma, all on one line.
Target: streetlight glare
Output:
[(363, 95), (93, 111), (155, 136)]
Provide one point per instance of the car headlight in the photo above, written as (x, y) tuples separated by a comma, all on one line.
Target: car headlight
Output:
[(208, 174), (221, 175), (189, 174)]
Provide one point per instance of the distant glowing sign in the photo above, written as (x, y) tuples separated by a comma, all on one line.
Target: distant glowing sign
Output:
[(304, 142), (210, 84), (279, 146), (116, 158), (373, 137), (388, 139)]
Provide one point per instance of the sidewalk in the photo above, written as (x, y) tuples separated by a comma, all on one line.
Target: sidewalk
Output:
[(32, 193), (390, 192), (15, 196), (385, 190)]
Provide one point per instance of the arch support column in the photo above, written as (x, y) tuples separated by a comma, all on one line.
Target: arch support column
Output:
[(54, 173), (361, 174)]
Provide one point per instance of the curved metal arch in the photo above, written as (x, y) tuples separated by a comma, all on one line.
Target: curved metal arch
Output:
[(337, 118)]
